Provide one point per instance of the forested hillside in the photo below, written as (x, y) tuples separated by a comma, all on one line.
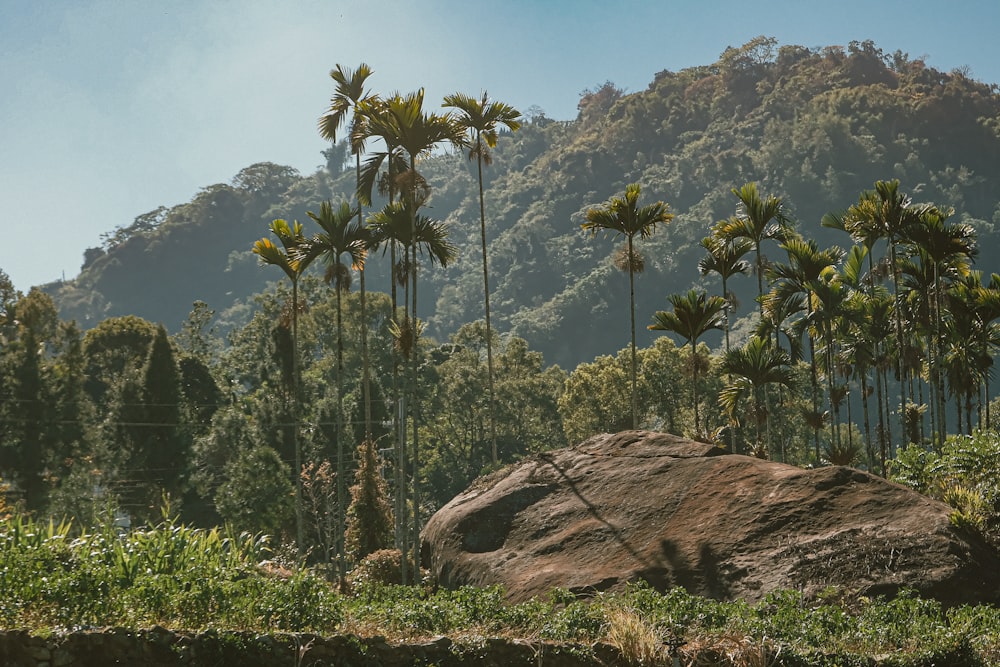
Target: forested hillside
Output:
[(866, 338), (813, 126)]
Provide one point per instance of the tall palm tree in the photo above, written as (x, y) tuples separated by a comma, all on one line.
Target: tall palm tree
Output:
[(349, 94), (949, 250), (757, 220), (624, 216), (693, 315), (339, 235), (418, 235), (406, 127), (878, 309), (373, 122), (885, 212), (858, 348), (418, 133), (829, 296), (974, 335), (725, 258), (754, 367), (796, 283), (288, 258), (481, 118)]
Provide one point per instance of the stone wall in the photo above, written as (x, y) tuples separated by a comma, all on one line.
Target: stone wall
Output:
[(158, 647)]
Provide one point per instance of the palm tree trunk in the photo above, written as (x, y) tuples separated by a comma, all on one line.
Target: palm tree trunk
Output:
[(986, 391), (889, 446), (831, 381), (299, 522), (897, 308), (397, 419), (967, 395), (631, 310), (814, 382), (882, 398), (365, 378), (932, 387), (760, 407), (958, 410), (725, 312), (869, 450), (731, 435), (850, 417), (341, 472), (415, 418), (486, 301), (759, 270), (415, 408), (938, 354), (694, 388)]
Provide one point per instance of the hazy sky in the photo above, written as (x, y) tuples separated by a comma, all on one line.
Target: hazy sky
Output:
[(110, 108)]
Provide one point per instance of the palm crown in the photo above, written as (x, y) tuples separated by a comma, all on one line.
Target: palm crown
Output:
[(482, 116)]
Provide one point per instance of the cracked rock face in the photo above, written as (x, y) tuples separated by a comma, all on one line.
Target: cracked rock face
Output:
[(649, 506)]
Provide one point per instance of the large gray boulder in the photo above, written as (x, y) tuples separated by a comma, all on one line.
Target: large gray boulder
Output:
[(672, 512)]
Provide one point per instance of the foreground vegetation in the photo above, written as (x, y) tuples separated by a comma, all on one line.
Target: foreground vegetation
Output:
[(52, 580)]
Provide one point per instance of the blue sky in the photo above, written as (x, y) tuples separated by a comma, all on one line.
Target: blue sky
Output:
[(110, 108)]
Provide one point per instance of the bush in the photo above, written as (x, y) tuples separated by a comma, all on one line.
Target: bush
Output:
[(964, 474), (381, 568)]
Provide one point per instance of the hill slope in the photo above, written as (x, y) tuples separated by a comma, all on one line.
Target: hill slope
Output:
[(814, 126)]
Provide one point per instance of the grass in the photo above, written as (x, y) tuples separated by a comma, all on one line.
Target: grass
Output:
[(187, 579)]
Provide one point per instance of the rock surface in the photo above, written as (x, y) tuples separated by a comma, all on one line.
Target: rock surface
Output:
[(649, 506)]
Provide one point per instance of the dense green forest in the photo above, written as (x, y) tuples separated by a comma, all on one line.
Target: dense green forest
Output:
[(802, 276)]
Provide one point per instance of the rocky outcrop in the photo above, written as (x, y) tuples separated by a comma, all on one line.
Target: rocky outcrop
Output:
[(649, 506)]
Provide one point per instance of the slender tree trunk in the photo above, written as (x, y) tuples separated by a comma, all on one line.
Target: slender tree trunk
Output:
[(631, 310), (986, 391), (979, 407), (760, 407), (889, 446), (759, 270), (880, 388), (397, 419), (897, 308), (967, 395), (958, 411), (341, 468), (299, 522), (881, 396), (486, 301), (731, 435), (814, 382), (415, 408), (932, 387), (869, 450), (694, 387), (725, 312), (850, 416), (938, 354), (365, 365), (415, 418), (832, 375)]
